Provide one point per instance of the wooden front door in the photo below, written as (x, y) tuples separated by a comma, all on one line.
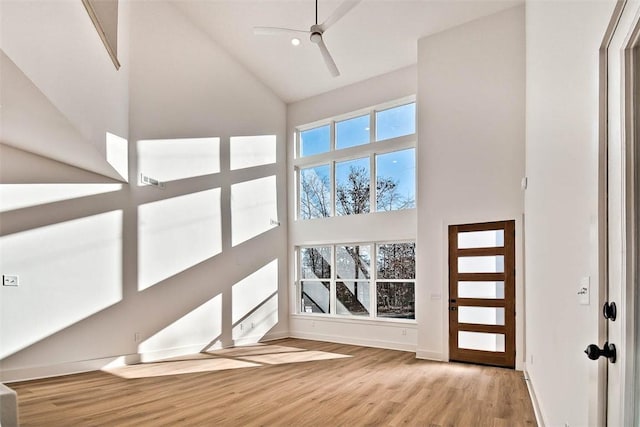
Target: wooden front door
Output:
[(482, 293)]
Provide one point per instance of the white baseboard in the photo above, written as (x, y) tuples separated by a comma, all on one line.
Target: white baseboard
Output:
[(430, 355), (68, 368), (534, 400), (275, 336), (390, 345)]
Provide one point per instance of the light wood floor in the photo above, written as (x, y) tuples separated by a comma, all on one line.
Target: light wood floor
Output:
[(282, 383)]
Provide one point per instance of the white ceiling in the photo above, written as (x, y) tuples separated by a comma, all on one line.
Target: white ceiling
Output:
[(376, 37)]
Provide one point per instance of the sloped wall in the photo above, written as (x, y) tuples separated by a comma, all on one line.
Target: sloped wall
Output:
[(110, 269)]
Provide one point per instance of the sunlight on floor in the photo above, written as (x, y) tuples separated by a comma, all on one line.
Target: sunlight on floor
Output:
[(221, 360)]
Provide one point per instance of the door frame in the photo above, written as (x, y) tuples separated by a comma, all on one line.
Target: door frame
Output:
[(622, 207)]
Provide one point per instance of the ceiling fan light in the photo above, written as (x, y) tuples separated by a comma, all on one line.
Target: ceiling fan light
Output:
[(295, 41)]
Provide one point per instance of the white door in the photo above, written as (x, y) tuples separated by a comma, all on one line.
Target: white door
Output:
[(622, 188)]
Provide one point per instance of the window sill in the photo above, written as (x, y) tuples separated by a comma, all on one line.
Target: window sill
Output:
[(331, 318)]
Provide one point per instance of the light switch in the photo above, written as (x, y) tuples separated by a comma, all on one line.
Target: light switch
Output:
[(584, 291)]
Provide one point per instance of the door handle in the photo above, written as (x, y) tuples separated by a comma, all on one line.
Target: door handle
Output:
[(609, 311), (608, 350), (453, 308)]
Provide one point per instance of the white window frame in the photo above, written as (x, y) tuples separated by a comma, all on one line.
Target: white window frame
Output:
[(373, 281), (334, 155)]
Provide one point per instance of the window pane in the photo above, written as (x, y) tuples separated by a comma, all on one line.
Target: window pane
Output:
[(481, 239), (396, 122), (352, 132), (396, 261), (396, 180), (481, 341), (352, 298), (314, 297), (315, 192), (486, 290), (352, 187), (353, 262), (481, 264), (316, 262), (396, 300), (481, 315), (315, 141)]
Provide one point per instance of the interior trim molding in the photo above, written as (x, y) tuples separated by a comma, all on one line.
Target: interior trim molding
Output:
[(534, 400)]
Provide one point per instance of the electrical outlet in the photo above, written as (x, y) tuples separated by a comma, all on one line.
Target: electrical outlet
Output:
[(252, 325), (8, 280), (404, 332), (531, 359)]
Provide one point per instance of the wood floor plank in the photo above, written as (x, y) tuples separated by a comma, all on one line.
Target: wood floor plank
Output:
[(288, 382)]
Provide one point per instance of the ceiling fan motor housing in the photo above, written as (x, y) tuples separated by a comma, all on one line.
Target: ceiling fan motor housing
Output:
[(316, 34)]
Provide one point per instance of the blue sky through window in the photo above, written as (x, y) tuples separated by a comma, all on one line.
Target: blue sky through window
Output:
[(352, 132), (315, 141), (395, 122), (400, 166)]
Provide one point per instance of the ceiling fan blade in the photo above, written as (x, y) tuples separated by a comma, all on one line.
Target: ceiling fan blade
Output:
[(331, 65), (342, 10), (268, 31)]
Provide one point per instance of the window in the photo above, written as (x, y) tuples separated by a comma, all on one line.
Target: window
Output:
[(315, 141), (315, 192), (388, 165), (395, 122), (353, 287), (395, 284), (353, 183), (396, 180), (352, 132), (314, 291)]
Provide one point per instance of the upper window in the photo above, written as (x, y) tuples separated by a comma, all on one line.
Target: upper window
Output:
[(315, 141), (395, 122), (315, 192), (352, 132), (352, 175), (353, 183), (396, 180), (338, 134)]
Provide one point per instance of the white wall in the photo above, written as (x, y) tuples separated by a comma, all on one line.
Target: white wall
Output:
[(71, 81), (470, 155), (561, 204), (382, 226), (83, 249)]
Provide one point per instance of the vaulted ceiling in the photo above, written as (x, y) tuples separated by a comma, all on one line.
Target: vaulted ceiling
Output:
[(375, 37)]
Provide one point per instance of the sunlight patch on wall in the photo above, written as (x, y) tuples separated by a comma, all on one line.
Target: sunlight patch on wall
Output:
[(173, 159), (198, 327), (67, 272), (176, 234), (249, 151), (254, 307), (18, 196), (118, 154), (254, 208)]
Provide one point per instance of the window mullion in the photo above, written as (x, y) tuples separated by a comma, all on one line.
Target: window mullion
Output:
[(332, 284), (373, 183)]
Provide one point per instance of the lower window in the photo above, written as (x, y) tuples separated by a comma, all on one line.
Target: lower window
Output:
[(341, 280)]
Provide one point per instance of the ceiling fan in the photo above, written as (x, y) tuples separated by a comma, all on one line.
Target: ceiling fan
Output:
[(316, 31)]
